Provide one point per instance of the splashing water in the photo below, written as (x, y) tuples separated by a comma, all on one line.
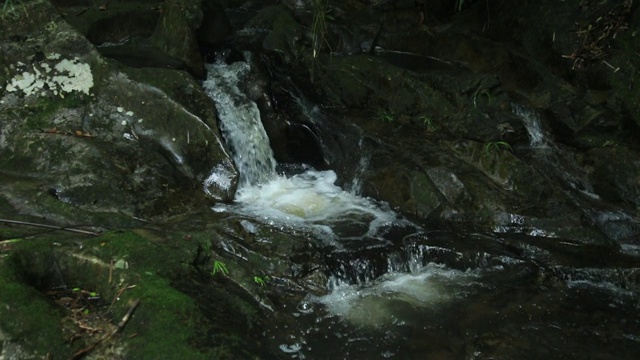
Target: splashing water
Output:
[(378, 303), (537, 137), (307, 200)]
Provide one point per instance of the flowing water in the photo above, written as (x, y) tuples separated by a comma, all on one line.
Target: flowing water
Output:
[(307, 199), (398, 291)]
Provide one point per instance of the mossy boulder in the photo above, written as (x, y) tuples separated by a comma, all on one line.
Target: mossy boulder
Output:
[(101, 136)]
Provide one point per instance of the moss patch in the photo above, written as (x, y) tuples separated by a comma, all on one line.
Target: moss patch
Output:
[(167, 323), (28, 318)]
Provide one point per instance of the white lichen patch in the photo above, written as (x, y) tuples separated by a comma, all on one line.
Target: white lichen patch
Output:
[(61, 77)]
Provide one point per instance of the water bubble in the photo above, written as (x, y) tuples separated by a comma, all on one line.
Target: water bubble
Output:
[(305, 307), (249, 226), (290, 349)]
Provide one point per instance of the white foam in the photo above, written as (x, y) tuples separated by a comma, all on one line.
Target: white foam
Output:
[(378, 303), (310, 200)]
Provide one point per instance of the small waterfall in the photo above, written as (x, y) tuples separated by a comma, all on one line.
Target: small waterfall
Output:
[(537, 137), (551, 156), (307, 201), (240, 123)]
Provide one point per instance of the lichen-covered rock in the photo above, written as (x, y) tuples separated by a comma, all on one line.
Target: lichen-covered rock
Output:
[(100, 136)]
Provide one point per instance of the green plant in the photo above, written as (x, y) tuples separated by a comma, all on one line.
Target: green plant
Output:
[(459, 4), (386, 116), (496, 146), (4, 8), (206, 246), (426, 121), (219, 266), (261, 281), (8, 7), (321, 14)]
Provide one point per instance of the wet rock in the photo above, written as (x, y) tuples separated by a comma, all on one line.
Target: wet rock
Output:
[(176, 33), (102, 137), (215, 26), (284, 36), (615, 175), (382, 90), (142, 33)]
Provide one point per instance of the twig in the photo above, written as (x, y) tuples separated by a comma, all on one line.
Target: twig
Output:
[(110, 271), (119, 293), (6, 221), (615, 69), (127, 316), (121, 324)]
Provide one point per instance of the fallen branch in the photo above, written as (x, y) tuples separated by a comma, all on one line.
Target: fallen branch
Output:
[(25, 223), (119, 328), (127, 316)]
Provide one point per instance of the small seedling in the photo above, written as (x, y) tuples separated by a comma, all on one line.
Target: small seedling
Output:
[(219, 266), (260, 281), (426, 121), (7, 3), (385, 116), (496, 146), (9, 8)]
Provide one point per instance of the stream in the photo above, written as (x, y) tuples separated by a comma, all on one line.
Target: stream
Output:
[(398, 290), (367, 179)]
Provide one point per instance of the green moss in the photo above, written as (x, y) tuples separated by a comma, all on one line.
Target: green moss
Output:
[(172, 320), (167, 322), (39, 115), (164, 321), (146, 250), (28, 318)]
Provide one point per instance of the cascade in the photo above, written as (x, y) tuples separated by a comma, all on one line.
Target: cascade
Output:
[(373, 245), (551, 156), (389, 283), (537, 137), (309, 200)]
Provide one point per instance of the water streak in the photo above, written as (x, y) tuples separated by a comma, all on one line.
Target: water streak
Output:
[(537, 137), (240, 123)]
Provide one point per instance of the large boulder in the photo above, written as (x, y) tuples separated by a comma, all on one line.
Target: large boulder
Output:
[(98, 135)]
